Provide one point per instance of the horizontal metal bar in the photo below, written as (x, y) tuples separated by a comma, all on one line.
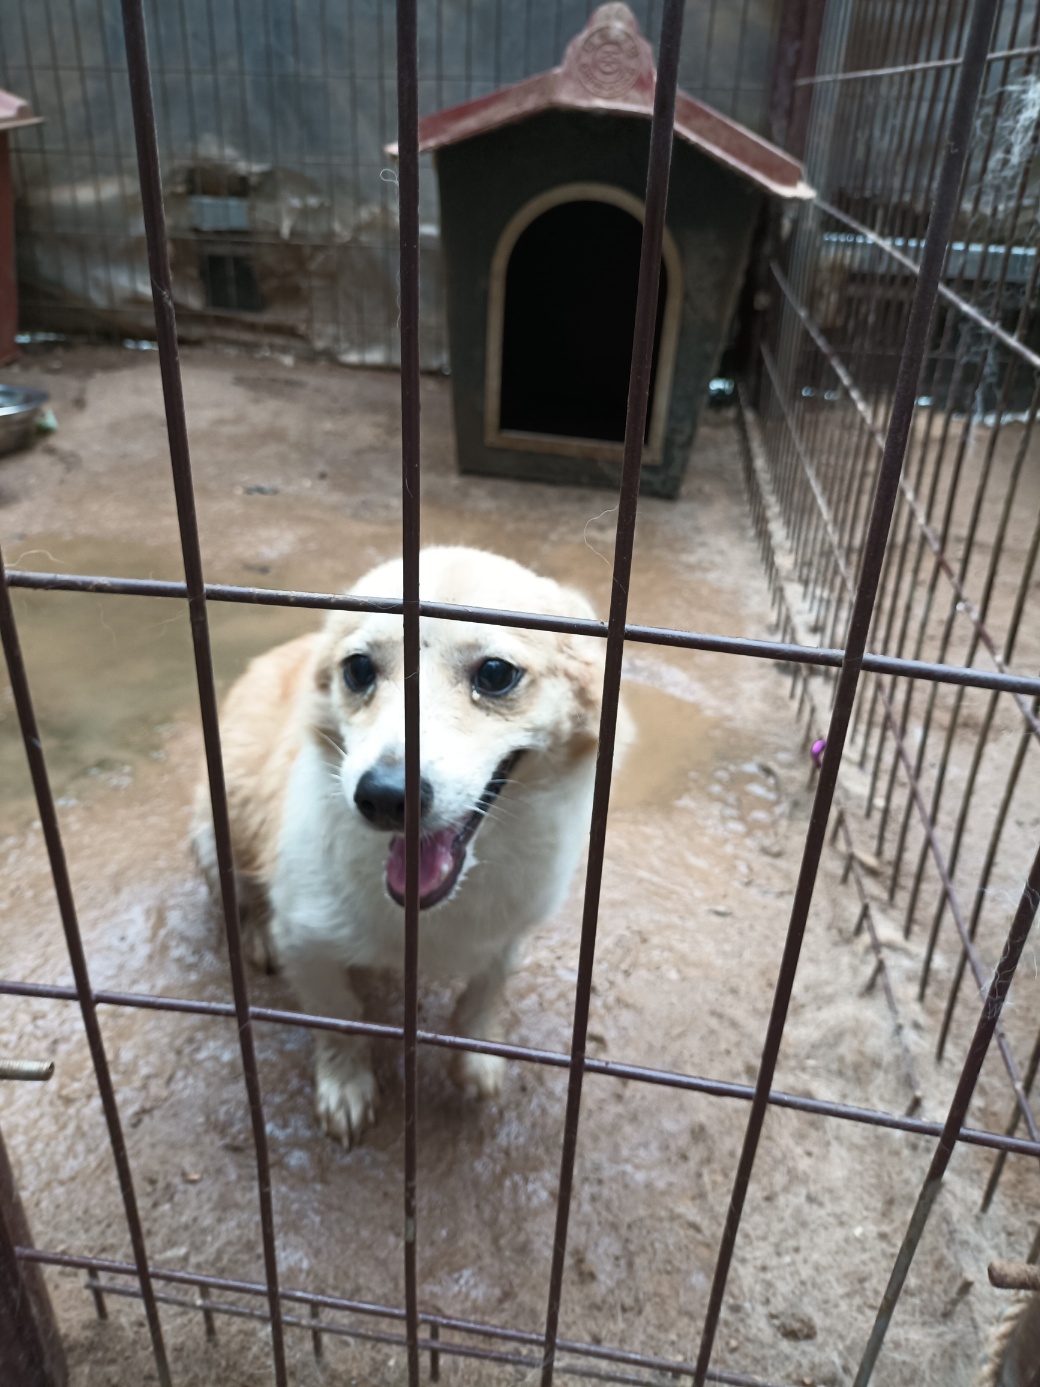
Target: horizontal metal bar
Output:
[(830, 657), (203, 1281), (933, 65), (31, 1070), (437, 1344), (1014, 1276), (966, 260), (962, 305), (216, 1307), (665, 1078)]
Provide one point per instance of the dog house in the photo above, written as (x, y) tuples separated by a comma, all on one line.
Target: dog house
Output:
[(541, 187)]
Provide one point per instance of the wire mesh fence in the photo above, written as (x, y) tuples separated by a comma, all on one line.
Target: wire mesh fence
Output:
[(946, 799), (900, 635)]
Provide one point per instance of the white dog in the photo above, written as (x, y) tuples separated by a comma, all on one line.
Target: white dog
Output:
[(313, 738)]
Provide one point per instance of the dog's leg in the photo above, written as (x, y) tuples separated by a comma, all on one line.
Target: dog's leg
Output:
[(254, 913), (253, 908), (476, 1016), (345, 1092)]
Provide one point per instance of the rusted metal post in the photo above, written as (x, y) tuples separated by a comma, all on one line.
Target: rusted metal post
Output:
[(8, 278), (14, 114), (435, 1357), (797, 48), (794, 57), (31, 1353)]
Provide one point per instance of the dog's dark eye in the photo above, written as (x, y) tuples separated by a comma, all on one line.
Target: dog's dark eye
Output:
[(359, 673), (496, 677)]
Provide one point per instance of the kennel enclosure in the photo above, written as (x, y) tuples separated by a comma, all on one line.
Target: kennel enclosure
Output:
[(872, 609)]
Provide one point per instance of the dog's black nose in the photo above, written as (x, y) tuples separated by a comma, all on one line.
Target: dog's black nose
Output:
[(380, 796)]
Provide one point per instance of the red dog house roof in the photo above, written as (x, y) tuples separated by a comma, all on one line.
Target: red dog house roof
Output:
[(16, 112), (609, 67)]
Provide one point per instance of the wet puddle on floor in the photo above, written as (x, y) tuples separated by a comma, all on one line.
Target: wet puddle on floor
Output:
[(111, 675), (686, 748)]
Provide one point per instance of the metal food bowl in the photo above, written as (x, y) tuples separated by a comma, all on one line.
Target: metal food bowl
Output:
[(18, 410)]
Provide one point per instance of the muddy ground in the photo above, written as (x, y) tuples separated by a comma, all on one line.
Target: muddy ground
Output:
[(297, 483)]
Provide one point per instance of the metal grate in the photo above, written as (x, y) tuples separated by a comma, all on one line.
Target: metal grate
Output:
[(838, 515), (961, 567)]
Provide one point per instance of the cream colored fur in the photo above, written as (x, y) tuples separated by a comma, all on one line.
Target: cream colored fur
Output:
[(311, 869)]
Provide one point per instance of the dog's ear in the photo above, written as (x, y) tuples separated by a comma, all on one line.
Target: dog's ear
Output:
[(320, 713), (585, 660), (585, 663), (321, 672)]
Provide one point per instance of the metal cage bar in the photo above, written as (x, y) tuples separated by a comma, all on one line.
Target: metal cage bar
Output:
[(793, 652), (624, 544), (617, 1069), (367, 1310), (408, 195), (191, 553)]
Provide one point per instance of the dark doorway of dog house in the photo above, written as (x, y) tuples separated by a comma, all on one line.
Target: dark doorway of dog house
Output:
[(913, 671), (566, 339)]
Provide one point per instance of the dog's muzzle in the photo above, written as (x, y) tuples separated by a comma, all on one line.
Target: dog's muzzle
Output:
[(442, 855)]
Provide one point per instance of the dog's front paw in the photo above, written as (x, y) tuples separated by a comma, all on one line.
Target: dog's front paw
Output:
[(258, 946), (346, 1098), (478, 1076)]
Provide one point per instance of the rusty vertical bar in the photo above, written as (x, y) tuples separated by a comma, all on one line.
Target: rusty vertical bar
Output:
[(435, 1357), (992, 1006), (958, 135), (8, 279), (635, 426), (78, 960), (795, 54), (180, 463), (408, 221), (31, 1353), (208, 1318), (100, 1304)]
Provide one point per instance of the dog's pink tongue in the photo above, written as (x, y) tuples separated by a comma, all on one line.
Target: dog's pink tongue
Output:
[(436, 860)]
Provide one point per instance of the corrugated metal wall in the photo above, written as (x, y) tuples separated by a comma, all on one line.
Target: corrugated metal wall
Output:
[(273, 116)]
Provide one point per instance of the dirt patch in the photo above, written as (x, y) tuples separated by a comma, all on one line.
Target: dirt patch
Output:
[(297, 481)]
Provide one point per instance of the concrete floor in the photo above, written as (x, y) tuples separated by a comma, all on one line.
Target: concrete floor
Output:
[(297, 481)]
